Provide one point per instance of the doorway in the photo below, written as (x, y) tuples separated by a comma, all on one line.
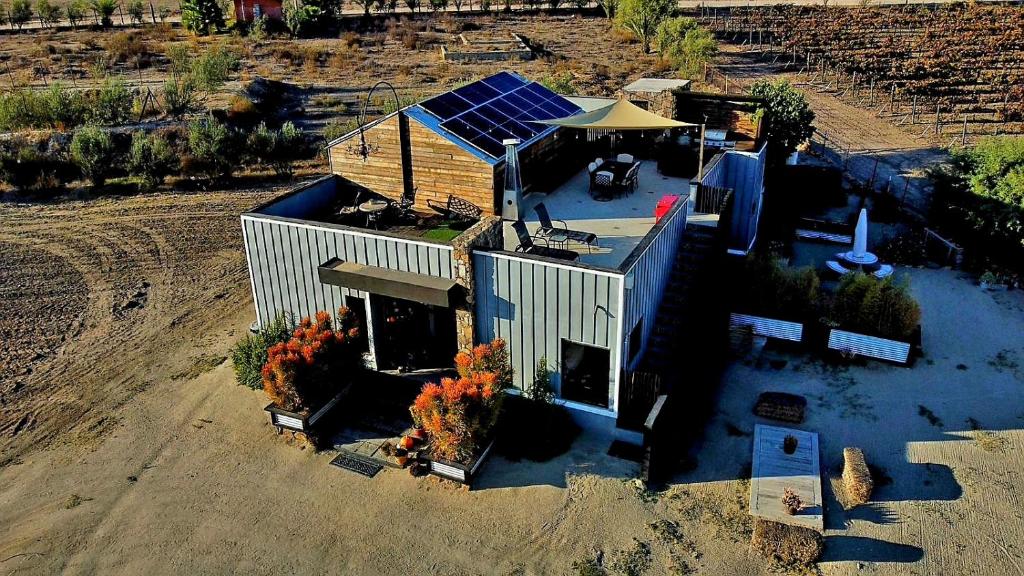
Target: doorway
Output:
[(411, 336), (585, 372)]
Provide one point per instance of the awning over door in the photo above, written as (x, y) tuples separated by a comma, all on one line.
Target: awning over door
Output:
[(386, 282)]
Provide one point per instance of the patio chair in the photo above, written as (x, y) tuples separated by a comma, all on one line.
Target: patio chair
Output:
[(348, 210), (561, 234), (632, 178), (527, 246), (624, 158), (456, 208), (884, 271), (604, 184), (598, 161), (401, 209)]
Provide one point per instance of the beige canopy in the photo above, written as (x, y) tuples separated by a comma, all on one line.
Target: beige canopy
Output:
[(620, 115)]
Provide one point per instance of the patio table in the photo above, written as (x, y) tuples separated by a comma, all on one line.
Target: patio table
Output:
[(619, 169)]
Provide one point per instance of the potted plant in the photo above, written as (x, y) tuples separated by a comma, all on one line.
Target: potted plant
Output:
[(791, 501), (987, 280), (459, 415), (305, 376), (789, 444)]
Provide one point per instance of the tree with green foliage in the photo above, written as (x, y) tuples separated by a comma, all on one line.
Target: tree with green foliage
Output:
[(250, 354), (193, 79), (48, 12), (75, 10), (113, 105), (787, 117), (685, 45), (65, 107), (979, 200), (20, 12), (212, 146), (201, 17), (277, 149), (151, 159), (875, 307), (642, 18), (136, 11), (104, 9), (93, 151)]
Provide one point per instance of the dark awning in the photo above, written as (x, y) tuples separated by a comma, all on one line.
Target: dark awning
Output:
[(386, 282)]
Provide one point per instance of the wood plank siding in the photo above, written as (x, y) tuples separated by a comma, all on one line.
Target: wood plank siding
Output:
[(433, 166)]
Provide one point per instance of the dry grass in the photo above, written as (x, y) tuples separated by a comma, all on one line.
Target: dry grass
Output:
[(857, 481), (788, 546), (990, 441)]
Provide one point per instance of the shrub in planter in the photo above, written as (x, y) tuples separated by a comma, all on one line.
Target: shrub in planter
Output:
[(875, 307), (770, 289), (250, 354), (306, 371), (459, 414)]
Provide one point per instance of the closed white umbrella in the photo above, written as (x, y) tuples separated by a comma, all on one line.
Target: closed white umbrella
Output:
[(860, 254)]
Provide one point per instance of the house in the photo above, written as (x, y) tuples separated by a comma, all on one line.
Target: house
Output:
[(425, 285), (249, 10)]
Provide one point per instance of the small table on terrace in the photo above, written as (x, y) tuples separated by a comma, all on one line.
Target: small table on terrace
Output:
[(372, 209)]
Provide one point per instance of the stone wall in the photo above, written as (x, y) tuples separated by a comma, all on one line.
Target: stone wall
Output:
[(485, 234)]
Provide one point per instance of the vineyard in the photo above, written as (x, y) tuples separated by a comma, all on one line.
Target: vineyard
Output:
[(949, 69)]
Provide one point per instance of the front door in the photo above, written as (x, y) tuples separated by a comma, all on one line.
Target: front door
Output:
[(412, 336)]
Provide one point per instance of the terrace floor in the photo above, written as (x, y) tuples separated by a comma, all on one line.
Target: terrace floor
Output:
[(619, 224)]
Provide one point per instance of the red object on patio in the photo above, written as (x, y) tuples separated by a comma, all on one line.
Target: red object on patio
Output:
[(664, 205)]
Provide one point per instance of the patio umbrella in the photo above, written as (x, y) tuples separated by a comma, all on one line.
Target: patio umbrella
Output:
[(620, 115)]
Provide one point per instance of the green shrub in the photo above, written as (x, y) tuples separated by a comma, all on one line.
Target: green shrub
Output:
[(76, 10), (151, 159), (884, 308), (212, 146), (193, 80), (136, 11), (540, 389), (787, 116), (28, 168), (201, 17), (93, 151), (686, 45), (65, 108), (113, 103), (642, 18), (767, 288), (250, 354)]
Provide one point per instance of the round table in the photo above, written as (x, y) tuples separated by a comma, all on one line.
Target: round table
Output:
[(372, 209)]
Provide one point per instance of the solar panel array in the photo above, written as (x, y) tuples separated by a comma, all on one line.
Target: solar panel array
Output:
[(497, 108)]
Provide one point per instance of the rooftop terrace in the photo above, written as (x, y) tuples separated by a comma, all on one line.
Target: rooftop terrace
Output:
[(620, 224)]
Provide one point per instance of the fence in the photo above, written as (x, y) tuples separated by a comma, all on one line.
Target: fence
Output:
[(637, 393)]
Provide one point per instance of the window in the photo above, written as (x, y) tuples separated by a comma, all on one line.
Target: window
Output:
[(585, 373), (636, 338)]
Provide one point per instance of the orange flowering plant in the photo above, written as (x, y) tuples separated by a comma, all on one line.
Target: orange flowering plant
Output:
[(306, 371), (459, 414)]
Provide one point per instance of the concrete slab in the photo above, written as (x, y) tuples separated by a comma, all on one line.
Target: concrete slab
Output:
[(774, 471)]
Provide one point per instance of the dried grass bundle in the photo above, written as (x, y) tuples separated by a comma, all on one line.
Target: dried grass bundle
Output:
[(857, 481)]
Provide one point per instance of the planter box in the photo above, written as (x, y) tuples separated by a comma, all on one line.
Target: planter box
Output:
[(295, 421), (463, 473), (870, 346), (781, 329)]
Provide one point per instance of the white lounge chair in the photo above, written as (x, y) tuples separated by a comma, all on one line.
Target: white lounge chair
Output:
[(836, 267), (884, 271), (624, 158)]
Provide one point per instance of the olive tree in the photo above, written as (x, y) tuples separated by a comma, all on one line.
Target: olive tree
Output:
[(787, 117), (93, 151)]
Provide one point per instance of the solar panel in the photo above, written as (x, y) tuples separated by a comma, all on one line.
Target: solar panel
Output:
[(501, 106)]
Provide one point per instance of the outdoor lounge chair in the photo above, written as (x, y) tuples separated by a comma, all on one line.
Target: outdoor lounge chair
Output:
[(884, 271), (456, 208), (527, 246), (557, 234)]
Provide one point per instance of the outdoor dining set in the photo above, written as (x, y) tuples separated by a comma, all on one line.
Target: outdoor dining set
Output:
[(613, 177)]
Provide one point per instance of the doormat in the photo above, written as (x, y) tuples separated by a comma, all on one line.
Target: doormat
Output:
[(626, 451), (356, 464)]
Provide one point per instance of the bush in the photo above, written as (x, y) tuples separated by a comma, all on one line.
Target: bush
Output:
[(306, 371), (92, 150), (459, 415), (28, 168), (250, 354), (113, 103), (787, 545), (65, 108), (136, 11), (212, 146), (201, 17), (127, 47), (767, 288), (277, 149), (884, 308), (76, 10), (642, 18), (686, 45), (20, 12), (193, 80), (48, 12), (151, 159), (787, 115)]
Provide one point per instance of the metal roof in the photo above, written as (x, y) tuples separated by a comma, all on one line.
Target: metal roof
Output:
[(656, 85)]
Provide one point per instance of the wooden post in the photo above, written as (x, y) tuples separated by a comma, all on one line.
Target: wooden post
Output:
[(892, 99), (871, 93), (937, 105), (913, 110), (152, 12), (119, 11), (874, 170), (963, 135)]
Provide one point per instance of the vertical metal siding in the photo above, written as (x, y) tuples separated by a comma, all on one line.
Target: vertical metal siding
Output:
[(743, 172), (650, 274), (284, 256), (534, 304)]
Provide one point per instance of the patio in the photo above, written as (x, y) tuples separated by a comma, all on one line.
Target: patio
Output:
[(620, 224)]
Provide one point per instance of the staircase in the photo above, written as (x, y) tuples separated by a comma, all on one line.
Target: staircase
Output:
[(683, 307)]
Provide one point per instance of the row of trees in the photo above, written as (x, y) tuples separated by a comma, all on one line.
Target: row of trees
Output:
[(207, 149), (49, 13)]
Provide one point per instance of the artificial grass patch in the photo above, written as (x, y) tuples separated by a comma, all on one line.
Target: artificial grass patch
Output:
[(443, 233)]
